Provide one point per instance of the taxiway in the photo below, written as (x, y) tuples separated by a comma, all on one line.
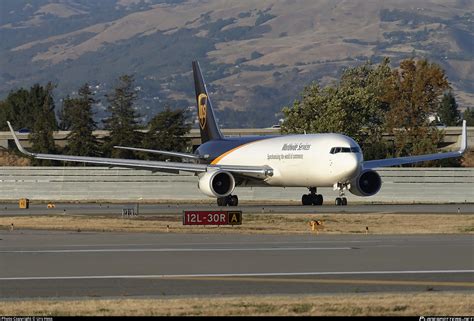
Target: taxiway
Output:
[(178, 208)]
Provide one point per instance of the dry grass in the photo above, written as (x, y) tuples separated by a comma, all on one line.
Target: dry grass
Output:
[(256, 224), (10, 159), (468, 159), (395, 304)]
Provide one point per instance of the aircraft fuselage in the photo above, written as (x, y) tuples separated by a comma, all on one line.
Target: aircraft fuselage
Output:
[(296, 160)]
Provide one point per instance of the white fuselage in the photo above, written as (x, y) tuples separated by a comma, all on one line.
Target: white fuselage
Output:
[(300, 160)]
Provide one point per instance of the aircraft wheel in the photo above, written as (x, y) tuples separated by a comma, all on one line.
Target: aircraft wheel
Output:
[(233, 200), (222, 201), (319, 199), (316, 199), (306, 199), (344, 201), (338, 201)]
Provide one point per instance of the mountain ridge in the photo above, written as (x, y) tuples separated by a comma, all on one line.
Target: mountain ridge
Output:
[(253, 53)]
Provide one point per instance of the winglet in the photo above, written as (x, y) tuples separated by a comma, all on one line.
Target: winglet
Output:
[(17, 141), (463, 138)]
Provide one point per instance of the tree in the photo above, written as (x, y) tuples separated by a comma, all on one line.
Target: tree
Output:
[(468, 116), (353, 107), (316, 111), (45, 122), (366, 109), (448, 110), (413, 93), (4, 115), (78, 116), (18, 108), (65, 112), (122, 123), (166, 132)]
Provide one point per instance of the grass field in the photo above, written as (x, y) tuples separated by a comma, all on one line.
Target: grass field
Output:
[(393, 304), (255, 224)]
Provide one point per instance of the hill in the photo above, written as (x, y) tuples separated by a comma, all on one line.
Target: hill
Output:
[(256, 54)]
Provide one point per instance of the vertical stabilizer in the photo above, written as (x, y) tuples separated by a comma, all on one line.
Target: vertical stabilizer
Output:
[(207, 120)]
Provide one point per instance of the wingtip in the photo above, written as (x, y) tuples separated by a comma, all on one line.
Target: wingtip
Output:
[(463, 137), (11, 128), (17, 141)]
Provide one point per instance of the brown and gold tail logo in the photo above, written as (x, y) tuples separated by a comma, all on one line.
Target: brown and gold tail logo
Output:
[(202, 103)]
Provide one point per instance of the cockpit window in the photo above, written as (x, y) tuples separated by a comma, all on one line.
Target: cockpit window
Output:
[(336, 150)]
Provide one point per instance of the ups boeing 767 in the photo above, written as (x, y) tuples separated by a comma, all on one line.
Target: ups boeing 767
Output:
[(222, 163)]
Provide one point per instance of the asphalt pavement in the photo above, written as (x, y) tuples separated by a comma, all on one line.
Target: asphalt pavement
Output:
[(45, 264), (178, 208)]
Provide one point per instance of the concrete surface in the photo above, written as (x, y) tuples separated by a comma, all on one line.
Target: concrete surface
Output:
[(406, 185)]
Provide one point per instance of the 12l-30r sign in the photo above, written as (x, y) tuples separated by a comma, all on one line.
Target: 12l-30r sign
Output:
[(212, 218)]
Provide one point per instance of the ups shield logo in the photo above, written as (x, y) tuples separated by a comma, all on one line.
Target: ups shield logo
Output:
[(202, 103)]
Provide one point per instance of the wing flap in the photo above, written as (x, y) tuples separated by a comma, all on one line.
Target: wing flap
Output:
[(161, 152), (128, 163)]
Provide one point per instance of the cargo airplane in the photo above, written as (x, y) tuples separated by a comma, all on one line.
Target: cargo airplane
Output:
[(222, 163)]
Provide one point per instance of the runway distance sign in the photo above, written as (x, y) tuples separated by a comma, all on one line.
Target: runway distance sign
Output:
[(212, 218)]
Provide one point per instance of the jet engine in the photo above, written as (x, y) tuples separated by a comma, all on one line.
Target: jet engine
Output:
[(368, 183), (217, 183)]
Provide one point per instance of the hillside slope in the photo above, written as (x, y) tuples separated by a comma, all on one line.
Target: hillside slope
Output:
[(256, 54)]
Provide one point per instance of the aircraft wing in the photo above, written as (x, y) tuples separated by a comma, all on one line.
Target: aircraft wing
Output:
[(161, 152), (156, 166), (421, 158)]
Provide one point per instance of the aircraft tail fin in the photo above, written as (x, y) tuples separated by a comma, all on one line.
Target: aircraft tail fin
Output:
[(207, 120)]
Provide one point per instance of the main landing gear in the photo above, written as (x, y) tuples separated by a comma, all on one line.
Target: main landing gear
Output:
[(312, 198), (341, 200), (229, 200)]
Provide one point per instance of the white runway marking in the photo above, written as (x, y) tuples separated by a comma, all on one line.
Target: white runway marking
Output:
[(209, 243), (183, 250), (171, 276)]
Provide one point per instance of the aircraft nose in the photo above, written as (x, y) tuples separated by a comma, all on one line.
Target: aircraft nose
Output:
[(352, 164)]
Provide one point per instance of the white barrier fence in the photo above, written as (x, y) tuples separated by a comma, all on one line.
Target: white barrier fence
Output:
[(408, 185)]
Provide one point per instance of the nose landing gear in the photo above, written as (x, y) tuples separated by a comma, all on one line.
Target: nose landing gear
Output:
[(312, 198), (341, 200)]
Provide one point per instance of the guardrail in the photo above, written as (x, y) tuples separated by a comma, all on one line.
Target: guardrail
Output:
[(408, 185)]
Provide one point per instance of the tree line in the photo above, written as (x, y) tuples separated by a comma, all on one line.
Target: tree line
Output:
[(369, 100), (34, 109)]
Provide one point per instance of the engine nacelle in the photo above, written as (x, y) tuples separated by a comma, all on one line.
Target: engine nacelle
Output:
[(217, 183), (368, 183)]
